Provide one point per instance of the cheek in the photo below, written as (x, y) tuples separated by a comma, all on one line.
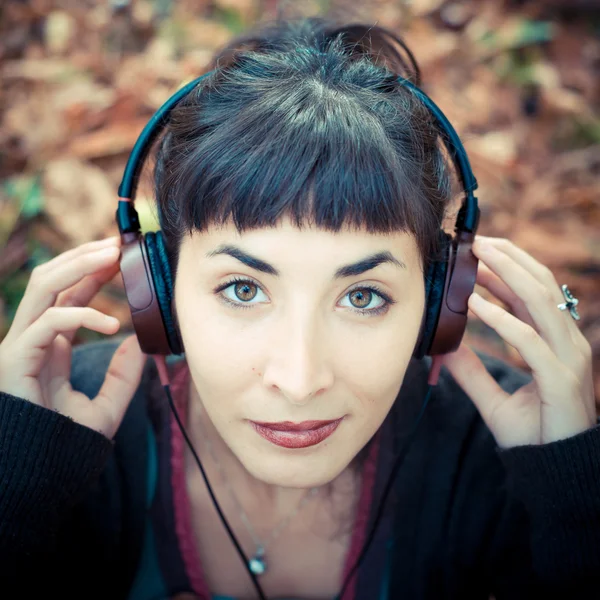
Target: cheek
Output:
[(375, 363), (216, 347), (375, 386)]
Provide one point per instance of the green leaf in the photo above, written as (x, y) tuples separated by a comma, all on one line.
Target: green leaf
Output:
[(38, 253), (231, 18), (534, 32), (517, 33), (12, 289), (26, 190)]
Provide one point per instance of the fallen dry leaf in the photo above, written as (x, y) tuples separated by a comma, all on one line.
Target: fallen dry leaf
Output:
[(78, 198)]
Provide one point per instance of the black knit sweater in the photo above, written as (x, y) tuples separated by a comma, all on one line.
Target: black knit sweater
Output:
[(466, 519)]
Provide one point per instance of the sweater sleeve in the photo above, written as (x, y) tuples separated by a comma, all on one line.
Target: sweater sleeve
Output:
[(71, 500), (47, 463), (558, 486), (524, 522)]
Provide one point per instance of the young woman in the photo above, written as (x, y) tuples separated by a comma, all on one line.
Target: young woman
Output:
[(300, 193)]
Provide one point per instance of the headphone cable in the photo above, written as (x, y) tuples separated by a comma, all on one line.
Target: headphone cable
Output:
[(432, 382), (163, 374)]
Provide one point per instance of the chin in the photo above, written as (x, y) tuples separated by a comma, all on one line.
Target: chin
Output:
[(297, 472)]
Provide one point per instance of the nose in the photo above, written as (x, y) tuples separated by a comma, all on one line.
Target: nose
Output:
[(298, 366)]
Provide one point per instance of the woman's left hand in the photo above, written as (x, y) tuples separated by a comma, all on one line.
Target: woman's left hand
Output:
[(559, 401)]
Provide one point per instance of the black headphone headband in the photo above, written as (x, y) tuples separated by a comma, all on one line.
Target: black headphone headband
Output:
[(127, 220)]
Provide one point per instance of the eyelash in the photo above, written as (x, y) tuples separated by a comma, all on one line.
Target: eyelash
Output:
[(372, 312)]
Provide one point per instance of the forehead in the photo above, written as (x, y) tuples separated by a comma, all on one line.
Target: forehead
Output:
[(286, 245)]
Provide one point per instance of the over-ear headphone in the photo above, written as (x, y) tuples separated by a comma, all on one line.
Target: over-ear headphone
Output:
[(449, 280)]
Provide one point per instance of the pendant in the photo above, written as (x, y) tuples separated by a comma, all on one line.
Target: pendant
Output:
[(257, 563)]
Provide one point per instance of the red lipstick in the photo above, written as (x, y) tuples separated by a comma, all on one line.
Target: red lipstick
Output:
[(296, 435)]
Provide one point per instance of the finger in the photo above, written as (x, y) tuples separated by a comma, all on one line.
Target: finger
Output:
[(536, 268), (537, 298), (60, 320), (59, 367), (472, 376), (525, 339), (19, 323), (490, 281), (68, 255), (83, 292), (542, 273), (122, 378), (46, 283)]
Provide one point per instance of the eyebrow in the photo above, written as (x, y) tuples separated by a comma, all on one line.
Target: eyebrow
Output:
[(351, 270)]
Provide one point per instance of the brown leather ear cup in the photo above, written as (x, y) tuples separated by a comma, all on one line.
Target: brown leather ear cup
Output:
[(435, 281), (449, 284), (460, 283), (163, 286), (141, 295)]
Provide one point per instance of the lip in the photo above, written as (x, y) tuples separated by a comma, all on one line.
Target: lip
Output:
[(296, 435)]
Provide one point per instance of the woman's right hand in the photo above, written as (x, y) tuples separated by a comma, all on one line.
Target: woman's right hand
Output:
[(35, 355)]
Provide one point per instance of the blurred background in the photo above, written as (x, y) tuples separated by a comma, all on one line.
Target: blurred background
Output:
[(520, 81)]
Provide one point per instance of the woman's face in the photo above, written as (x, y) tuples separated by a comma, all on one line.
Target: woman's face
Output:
[(279, 325)]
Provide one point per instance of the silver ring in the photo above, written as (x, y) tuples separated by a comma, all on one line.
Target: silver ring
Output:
[(570, 304)]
